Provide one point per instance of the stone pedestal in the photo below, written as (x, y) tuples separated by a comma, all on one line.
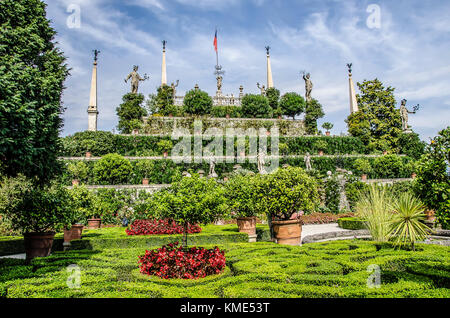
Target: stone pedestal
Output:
[(252, 238)]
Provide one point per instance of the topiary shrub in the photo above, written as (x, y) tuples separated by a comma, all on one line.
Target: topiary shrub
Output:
[(362, 166), (351, 223), (112, 169), (197, 102), (273, 96), (389, 166), (78, 170), (256, 106), (130, 112), (292, 104), (285, 192), (240, 196)]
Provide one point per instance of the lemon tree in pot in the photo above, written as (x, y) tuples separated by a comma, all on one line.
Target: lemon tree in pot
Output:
[(37, 211), (240, 194), (281, 195)]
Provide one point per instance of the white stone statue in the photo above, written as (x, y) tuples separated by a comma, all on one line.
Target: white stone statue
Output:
[(404, 113), (262, 88), (212, 168), (261, 162), (135, 79), (308, 162)]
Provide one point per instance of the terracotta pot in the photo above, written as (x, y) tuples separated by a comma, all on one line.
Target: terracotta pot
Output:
[(288, 232), (94, 224), (38, 244), (166, 154), (414, 175), (145, 181), (170, 115), (135, 132), (228, 116), (75, 182), (279, 117), (430, 215), (364, 177), (385, 153), (328, 133), (74, 233), (88, 154), (247, 225), (320, 152)]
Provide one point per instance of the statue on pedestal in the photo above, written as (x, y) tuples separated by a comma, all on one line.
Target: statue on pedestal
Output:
[(135, 79), (404, 113), (261, 162), (308, 86), (212, 168), (174, 88), (219, 85), (262, 88), (308, 162)]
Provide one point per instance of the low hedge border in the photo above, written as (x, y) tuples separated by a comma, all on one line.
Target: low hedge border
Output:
[(352, 224)]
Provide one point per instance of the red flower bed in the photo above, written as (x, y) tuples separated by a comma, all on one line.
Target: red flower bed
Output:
[(172, 261), (159, 227)]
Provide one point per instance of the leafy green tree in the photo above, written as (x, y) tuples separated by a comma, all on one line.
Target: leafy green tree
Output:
[(411, 145), (313, 112), (378, 123), (327, 126), (240, 196), (32, 75), (432, 184), (130, 113), (389, 166), (273, 95), (292, 104), (112, 169), (362, 166), (191, 201), (78, 170), (163, 102), (256, 106), (197, 102)]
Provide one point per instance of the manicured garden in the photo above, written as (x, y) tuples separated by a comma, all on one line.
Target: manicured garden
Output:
[(254, 270)]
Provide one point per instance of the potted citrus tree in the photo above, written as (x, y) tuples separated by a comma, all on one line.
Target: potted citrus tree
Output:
[(239, 192), (321, 145), (281, 195), (83, 204), (78, 171), (165, 146), (145, 167), (363, 166), (37, 211), (327, 126)]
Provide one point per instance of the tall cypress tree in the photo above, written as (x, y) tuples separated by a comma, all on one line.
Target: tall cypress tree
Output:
[(32, 75)]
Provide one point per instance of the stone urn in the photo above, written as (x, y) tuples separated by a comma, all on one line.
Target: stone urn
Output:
[(165, 154), (247, 225), (145, 181), (88, 154), (38, 244), (288, 232), (94, 224)]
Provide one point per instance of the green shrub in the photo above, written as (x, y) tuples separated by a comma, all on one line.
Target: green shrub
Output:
[(165, 146), (285, 192), (223, 111), (99, 143), (78, 170), (327, 126), (33, 208), (292, 104), (389, 166), (362, 166), (333, 189), (197, 102), (314, 111), (256, 106), (273, 96), (351, 224), (112, 169), (83, 204), (239, 192), (145, 167), (130, 112), (353, 189)]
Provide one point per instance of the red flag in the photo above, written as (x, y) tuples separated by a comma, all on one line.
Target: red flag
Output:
[(215, 42)]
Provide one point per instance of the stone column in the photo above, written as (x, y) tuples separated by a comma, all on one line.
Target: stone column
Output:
[(92, 109), (269, 70), (164, 69), (353, 101)]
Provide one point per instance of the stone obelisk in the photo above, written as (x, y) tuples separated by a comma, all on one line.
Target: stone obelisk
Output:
[(164, 68), (269, 69), (353, 101), (92, 109)]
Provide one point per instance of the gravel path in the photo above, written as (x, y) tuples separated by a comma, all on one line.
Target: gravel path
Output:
[(320, 229)]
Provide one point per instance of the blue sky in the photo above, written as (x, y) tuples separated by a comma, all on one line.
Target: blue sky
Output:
[(409, 51)]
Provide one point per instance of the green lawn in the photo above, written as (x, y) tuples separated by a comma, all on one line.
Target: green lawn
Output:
[(334, 269)]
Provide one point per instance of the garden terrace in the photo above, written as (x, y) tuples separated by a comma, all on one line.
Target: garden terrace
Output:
[(165, 170), (256, 270), (102, 143)]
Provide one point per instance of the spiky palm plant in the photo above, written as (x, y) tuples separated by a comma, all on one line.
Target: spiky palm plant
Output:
[(406, 226), (375, 207)]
